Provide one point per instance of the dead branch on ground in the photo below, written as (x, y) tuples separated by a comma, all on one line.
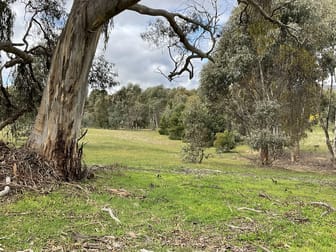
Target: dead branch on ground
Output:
[(249, 209), (329, 208), (110, 211)]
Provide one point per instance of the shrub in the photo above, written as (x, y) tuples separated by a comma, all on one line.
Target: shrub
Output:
[(192, 154), (225, 142)]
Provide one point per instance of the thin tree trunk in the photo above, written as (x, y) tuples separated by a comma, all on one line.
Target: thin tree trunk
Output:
[(295, 151), (325, 125), (334, 140), (58, 122), (329, 145), (264, 155)]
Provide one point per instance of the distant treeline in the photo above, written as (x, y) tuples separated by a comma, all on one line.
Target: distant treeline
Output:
[(131, 107)]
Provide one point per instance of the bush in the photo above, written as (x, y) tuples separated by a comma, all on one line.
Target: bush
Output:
[(192, 154), (225, 142), (265, 139)]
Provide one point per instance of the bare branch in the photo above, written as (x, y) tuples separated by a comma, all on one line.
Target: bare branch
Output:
[(142, 9), (30, 25), (184, 64), (10, 47), (13, 118), (270, 18)]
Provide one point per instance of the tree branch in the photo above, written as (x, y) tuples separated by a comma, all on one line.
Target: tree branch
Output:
[(10, 47), (100, 11), (185, 62), (269, 17), (170, 17), (13, 118)]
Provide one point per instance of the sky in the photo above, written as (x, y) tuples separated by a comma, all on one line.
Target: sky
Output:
[(137, 61)]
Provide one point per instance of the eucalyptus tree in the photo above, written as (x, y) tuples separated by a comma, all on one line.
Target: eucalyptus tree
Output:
[(325, 41), (260, 63), (28, 64), (156, 99), (58, 121), (197, 132), (57, 124)]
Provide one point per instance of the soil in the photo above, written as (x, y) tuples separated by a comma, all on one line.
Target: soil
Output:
[(308, 162)]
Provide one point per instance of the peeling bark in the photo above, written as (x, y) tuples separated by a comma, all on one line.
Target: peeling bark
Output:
[(58, 121), (57, 126)]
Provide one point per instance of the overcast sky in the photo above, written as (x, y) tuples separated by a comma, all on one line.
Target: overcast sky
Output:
[(136, 60)]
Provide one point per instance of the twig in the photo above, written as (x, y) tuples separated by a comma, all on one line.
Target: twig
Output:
[(110, 211), (323, 204), (249, 209), (15, 186), (77, 187), (264, 248), (6, 190), (83, 135), (236, 227), (264, 195)]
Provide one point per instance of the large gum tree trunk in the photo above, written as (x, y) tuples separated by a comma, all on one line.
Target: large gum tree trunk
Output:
[(58, 122)]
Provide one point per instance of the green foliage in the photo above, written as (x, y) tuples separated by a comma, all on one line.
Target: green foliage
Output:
[(264, 139), (171, 123), (257, 62), (192, 153), (197, 133), (266, 134), (156, 98), (6, 21), (102, 74), (132, 108), (164, 124), (97, 109), (176, 127), (224, 142)]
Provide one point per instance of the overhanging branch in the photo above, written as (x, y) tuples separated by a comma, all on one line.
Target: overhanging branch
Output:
[(13, 118), (21, 55), (269, 17), (171, 17)]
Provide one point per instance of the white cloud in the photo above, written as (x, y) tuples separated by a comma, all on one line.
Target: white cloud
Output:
[(136, 61)]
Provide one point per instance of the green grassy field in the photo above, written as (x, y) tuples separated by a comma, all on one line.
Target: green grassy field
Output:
[(164, 204)]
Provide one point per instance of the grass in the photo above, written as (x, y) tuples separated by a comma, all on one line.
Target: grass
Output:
[(224, 203)]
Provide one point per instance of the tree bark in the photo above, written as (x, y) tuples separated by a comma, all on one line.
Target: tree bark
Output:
[(264, 155), (57, 125), (58, 122), (295, 151), (325, 125)]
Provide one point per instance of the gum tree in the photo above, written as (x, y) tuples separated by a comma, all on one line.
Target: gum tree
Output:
[(57, 125)]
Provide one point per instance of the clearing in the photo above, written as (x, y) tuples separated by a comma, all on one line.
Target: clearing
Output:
[(144, 198)]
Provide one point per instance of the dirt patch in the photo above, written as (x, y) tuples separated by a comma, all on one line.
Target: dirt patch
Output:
[(308, 162)]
